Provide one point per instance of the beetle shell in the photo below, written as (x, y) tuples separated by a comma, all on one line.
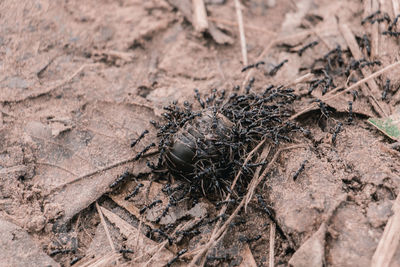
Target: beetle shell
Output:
[(194, 142)]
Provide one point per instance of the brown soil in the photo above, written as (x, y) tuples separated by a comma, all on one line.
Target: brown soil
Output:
[(81, 79)]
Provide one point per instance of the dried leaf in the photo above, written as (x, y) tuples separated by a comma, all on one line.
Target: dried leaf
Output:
[(78, 166), (148, 246), (17, 248), (311, 253), (248, 259)]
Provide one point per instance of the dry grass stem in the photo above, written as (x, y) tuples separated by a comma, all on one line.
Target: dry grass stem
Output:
[(272, 244), (390, 239), (331, 95), (241, 32), (355, 50), (103, 222), (200, 22)]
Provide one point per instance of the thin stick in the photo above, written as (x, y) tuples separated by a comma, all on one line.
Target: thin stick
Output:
[(247, 26), (162, 245), (66, 148), (80, 178), (241, 31), (396, 7), (330, 95), (355, 50), (272, 244), (138, 234), (57, 85), (103, 222), (375, 33), (390, 239), (55, 166), (200, 22), (252, 185)]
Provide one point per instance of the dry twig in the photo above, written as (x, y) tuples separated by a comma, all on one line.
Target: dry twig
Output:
[(103, 222), (331, 95), (241, 31), (200, 22), (352, 44), (390, 239), (272, 244)]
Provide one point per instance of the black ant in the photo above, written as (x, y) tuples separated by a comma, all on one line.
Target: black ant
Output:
[(297, 173), (180, 253), (393, 24), (370, 17), (134, 192), (249, 240), (163, 234), (188, 233), (337, 130), (198, 98), (255, 65), (120, 179), (248, 87), (150, 206), (350, 118), (277, 68), (134, 142), (147, 148), (271, 215), (386, 89), (75, 260), (307, 46)]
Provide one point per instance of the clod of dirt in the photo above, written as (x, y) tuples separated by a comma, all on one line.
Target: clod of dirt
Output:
[(353, 245), (379, 213), (35, 223)]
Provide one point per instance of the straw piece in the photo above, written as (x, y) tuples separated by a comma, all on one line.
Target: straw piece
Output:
[(200, 21), (396, 7), (355, 50), (241, 31), (272, 245), (375, 53), (390, 239)]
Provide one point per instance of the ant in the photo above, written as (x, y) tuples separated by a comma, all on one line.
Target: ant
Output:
[(337, 130), (248, 87), (299, 170), (307, 46), (350, 118), (121, 178), (255, 65), (197, 96), (134, 192), (163, 234), (180, 253), (386, 89), (249, 240), (370, 17), (277, 68), (150, 206), (147, 148), (134, 142)]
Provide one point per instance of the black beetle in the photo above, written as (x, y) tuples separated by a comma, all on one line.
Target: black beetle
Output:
[(193, 144)]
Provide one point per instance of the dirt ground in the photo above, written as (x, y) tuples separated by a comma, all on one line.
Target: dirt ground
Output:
[(80, 80)]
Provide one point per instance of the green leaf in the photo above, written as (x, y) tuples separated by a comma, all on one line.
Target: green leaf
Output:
[(390, 126)]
